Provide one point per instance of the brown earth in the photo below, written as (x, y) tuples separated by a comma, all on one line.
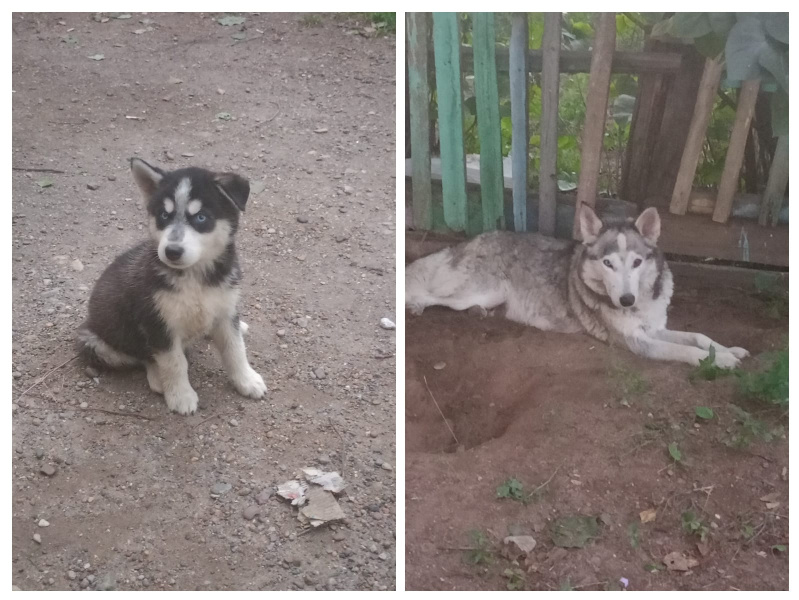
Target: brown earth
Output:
[(305, 108), (590, 425)]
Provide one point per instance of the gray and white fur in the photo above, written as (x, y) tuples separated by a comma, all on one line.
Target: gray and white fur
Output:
[(179, 285), (614, 285)]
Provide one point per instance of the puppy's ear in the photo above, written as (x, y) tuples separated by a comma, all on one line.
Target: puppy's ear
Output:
[(648, 225), (233, 187), (590, 224), (147, 176)]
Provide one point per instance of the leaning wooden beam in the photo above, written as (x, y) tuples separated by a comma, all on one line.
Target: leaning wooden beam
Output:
[(777, 181), (706, 96), (579, 61), (519, 115), (418, 26), (731, 176), (488, 127), (595, 114), (446, 40), (550, 83)]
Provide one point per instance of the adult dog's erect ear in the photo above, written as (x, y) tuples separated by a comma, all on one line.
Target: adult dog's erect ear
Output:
[(590, 224), (147, 176), (648, 224), (233, 187)]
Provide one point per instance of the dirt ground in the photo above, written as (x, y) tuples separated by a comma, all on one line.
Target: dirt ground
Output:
[(587, 428), (305, 108)]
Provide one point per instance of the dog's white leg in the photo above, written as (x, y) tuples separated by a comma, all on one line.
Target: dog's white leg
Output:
[(658, 349), (154, 378), (230, 343), (697, 339), (244, 327), (173, 370)]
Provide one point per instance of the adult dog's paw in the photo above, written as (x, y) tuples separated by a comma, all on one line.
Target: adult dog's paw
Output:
[(183, 402), (738, 352), (726, 360), (250, 384)]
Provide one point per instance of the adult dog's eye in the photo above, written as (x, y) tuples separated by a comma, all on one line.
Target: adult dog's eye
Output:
[(164, 215), (607, 263), (637, 263)]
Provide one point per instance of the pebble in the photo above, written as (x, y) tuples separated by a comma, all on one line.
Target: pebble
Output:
[(44, 523), (93, 186), (348, 189), (439, 365), (251, 512), (71, 574), (387, 323), (84, 404), (263, 496), (323, 459), (37, 538), (302, 219), (16, 374), (39, 453), (319, 373), (48, 470), (321, 130), (219, 489), (386, 466), (341, 238), (281, 333), (302, 322), (77, 265), (339, 536), (233, 423)]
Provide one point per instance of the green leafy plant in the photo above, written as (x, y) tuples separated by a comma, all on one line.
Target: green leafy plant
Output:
[(771, 385), (634, 534), (384, 20), (693, 525), (707, 369), (512, 489), (704, 412), (515, 578), (480, 551), (746, 429), (675, 453)]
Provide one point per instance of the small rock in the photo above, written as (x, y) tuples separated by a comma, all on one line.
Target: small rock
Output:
[(387, 323), (324, 459), (348, 190), (84, 404), (233, 423), (37, 538), (219, 489), (93, 186), (44, 523), (387, 467), (439, 365), (302, 219), (281, 333), (263, 496), (39, 453), (341, 238), (319, 373), (108, 582), (16, 374), (302, 322), (338, 536), (321, 130), (77, 265), (251, 512), (71, 574), (48, 470)]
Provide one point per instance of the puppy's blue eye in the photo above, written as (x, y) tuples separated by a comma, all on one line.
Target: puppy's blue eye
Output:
[(164, 215), (200, 217)]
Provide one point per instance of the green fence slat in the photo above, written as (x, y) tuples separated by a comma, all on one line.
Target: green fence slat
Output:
[(520, 140), (418, 27), (487, 95), (446, 42)]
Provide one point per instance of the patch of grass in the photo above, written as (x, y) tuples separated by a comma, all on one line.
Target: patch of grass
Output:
[(512, 489), (693, 525), (311, 20), (630, 385), (771, 385), (747, 429), (386, 21), (634, 533), (708, 370), (480, 551), (515, 577)]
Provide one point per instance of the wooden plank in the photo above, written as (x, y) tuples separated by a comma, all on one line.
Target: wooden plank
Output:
[(595, 113), (488, 127), (669, 144), (777, 181), (417, 27), (578, 61), (519, 113), (446, 41), (706, 96), (730, 177), (550, 84)]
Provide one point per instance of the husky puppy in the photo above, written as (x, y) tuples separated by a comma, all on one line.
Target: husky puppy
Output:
[(179, 285), (614, 285)]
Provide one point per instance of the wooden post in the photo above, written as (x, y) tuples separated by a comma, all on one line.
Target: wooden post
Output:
[(519, 115), (595, 114), (708, 86), (730, 177), (417, 24), (446, 41), (775, 188), (488, 127), (550, 84)]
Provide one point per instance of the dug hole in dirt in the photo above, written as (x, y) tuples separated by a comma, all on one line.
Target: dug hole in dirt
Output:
[(564, 440), (110, 490)]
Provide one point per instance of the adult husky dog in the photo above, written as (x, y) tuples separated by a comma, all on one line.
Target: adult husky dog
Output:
[(181, 284), (614, 285)]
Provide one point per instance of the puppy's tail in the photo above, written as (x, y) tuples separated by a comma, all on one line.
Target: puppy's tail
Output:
[(98, 353)]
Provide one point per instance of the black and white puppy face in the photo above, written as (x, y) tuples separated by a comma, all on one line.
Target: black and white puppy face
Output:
[(193, 213)]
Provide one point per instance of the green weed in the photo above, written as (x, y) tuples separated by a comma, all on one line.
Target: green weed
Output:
[(693, 525), (512, 489), (480, 551)]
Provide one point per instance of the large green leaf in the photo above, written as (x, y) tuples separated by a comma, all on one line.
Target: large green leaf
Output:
[(721, 23), (775, 61), (777, 26), (747, 40), (690, 25), (710, 45)]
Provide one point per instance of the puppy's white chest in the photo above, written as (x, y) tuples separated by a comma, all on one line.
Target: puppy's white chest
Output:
[(191, 309)]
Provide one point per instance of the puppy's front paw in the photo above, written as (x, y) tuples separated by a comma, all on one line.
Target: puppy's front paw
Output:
[(250, 384), (183, 401), (738, 352), (243, 327), (726, 360), (415, 309)]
